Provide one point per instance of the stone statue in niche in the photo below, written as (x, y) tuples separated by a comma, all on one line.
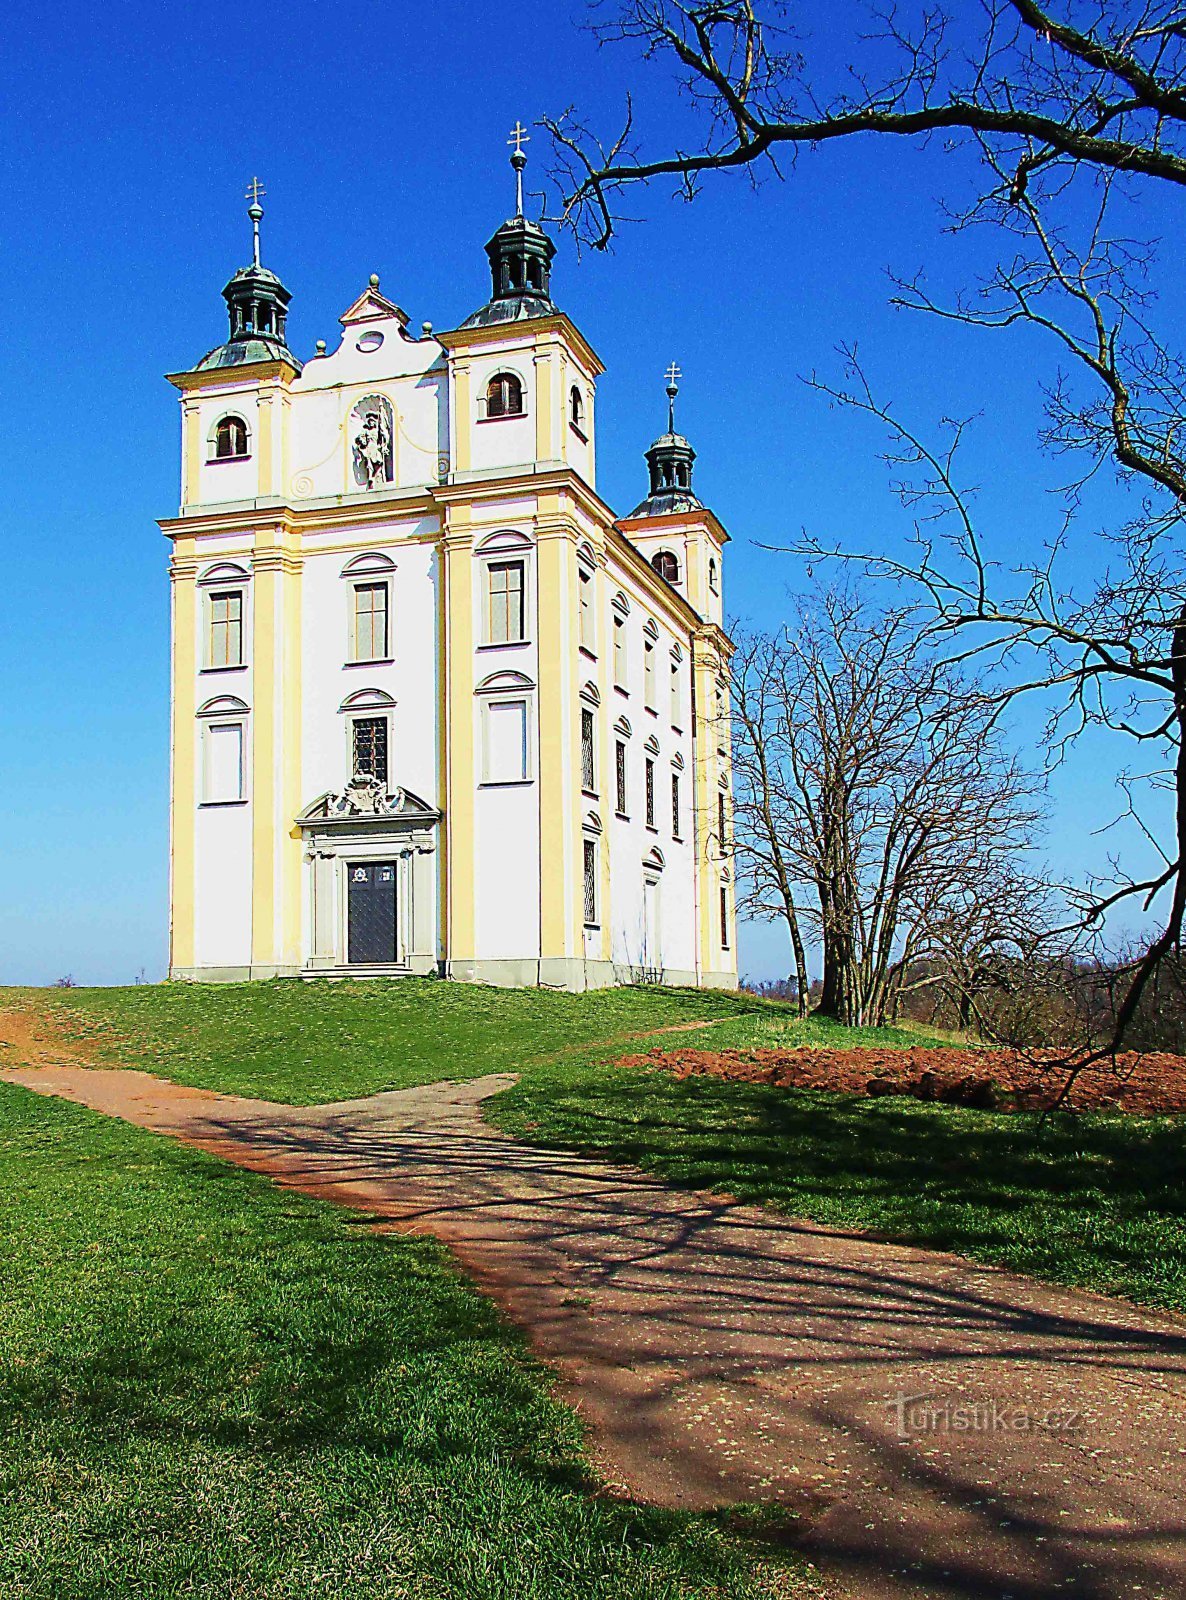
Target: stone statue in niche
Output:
[(374, 421)]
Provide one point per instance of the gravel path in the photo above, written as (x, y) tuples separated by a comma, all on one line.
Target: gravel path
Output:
[(931, 1427)]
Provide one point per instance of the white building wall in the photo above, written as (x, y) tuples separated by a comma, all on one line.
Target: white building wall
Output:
[(329, 678)]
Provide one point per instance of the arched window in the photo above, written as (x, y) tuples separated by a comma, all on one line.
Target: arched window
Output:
[(712, 574), (504, 396), (576, 408), (230, 439), (666, 564)]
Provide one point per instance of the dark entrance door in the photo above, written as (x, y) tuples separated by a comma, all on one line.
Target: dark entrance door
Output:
[(371, 912)]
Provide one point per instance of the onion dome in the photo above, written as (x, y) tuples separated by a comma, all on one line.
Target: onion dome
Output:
[(257, 304), (669, 461), (520, 256)]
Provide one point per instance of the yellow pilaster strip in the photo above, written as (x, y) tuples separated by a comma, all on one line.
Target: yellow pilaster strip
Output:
[(544, 405), (191, 453), (463, 420), (183, 752), (264, 443), (459, 736), (291, 875)]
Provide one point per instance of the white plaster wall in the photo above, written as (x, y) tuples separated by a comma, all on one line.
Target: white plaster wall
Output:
[(222, 902), (505, 441), (630, 842), (224, 481), (506, 818), (507, 891), (410, 678), (410, 372)]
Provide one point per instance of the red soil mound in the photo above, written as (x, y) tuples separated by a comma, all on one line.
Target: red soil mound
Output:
[(1005, 1080)]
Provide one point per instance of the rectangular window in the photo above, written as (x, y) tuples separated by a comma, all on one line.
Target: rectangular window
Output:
[(222, 778), (677, 709), (506, 750), (619, 652), (721, 818), (370, 622), (620, 773), (587, 638), (675, 833), (650, 772), (650, 693), (724, 919), (505, 612), (226, 628), (588, 766), (369, 737), (590, 870)]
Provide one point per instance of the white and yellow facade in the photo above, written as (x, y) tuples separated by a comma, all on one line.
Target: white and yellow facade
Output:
[(555, 767)]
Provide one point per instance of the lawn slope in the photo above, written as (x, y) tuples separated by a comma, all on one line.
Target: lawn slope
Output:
[(210, 1387)]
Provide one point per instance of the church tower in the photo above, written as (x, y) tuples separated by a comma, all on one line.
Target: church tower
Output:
[(435, 709)]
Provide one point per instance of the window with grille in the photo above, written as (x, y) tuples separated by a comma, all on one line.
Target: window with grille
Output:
[(504, 581), (590, 868), (226, 628), (588, 767), (370, 622), (619, 652), (650, 694), (721, 817), (724, 919), (650, 778), (620, 774), (675, 805), (230, 439), (369, 736), (504, 396)]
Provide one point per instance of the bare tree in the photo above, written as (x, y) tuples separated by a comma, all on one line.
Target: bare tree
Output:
[(1098, 84), (876, 805), (1068, 116)]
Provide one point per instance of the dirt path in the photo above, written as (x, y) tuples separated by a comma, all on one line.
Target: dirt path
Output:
[(723, 1353)]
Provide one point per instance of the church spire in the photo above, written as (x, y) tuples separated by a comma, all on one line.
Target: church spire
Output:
[(669, 462), (520, 256), (257, 306)]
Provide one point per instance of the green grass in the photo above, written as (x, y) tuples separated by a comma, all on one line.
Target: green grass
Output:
[(211, 1388), (304, 1043), (1096, 1201)]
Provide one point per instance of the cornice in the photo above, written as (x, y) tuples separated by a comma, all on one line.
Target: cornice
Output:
[(297, 517), (679, 519), (251, 372), (531, 327)]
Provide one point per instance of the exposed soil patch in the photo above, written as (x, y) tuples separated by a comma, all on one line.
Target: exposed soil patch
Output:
[(1001, 1080)]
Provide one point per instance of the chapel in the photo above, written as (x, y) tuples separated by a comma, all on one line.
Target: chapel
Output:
[(436, 707)]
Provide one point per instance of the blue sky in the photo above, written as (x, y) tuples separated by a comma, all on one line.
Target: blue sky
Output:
[(379, 132)]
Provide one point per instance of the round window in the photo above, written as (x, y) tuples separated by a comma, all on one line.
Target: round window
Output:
[(370, 340)]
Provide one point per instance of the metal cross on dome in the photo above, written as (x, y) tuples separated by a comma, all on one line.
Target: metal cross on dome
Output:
[(673, 375), (519, 137), (255, 193)]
